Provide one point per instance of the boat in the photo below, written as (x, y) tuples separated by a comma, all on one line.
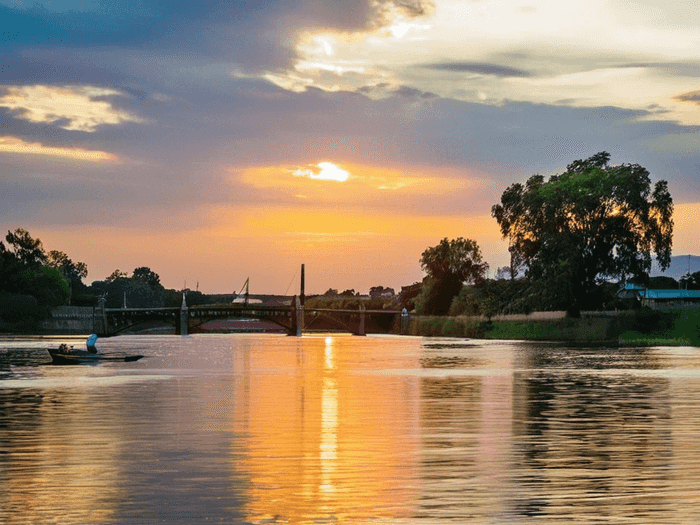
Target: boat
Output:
[(67, 356)]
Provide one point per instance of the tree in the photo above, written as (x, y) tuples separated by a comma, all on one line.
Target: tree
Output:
[(662, 282), (73, 273), (146, 275), (115, 275), (449, 265), (27, 250), (690, 281), (592, 222)]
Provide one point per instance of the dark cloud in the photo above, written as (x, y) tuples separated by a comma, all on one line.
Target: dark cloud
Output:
[(253, 34), (409, 92), (693, 97), (681, 69), (480, 68)]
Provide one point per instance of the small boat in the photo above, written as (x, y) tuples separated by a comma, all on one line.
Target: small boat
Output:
[(67, 356)]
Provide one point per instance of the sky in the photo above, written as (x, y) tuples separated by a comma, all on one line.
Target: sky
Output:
[(219, 141)]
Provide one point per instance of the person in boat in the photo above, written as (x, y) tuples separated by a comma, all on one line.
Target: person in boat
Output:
[(91, 343)]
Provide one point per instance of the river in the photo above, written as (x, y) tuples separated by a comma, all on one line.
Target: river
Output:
[(337, 429)]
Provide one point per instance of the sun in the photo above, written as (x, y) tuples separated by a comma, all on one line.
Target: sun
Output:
[(326, 171)]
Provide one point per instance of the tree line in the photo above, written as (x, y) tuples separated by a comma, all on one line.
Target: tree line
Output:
[(33, 280), (572, 239)]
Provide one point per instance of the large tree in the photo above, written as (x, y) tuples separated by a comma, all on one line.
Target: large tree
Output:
[(72, 272), (592, 222), (448, 266)]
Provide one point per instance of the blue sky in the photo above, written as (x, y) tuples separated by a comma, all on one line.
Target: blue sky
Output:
[(190, 137)]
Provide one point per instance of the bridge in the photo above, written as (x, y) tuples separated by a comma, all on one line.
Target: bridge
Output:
[(292, 318)]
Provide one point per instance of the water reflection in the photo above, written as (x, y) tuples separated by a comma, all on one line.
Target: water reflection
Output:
[(327, 442), (341, 429)]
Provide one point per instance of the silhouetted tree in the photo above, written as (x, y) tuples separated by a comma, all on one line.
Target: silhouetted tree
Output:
[(690, 281), (449, 265), (591, 222)]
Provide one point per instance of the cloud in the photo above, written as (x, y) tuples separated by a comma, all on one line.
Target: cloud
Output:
[(81, 108), (16, 145), (693, 97), (542, 55), (478, 68)]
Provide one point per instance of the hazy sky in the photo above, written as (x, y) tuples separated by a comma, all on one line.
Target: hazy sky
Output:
[(215, 141)]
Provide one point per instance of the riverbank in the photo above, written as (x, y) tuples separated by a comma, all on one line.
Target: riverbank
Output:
[(633, 328)]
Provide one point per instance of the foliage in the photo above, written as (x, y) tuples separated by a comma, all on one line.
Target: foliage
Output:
[(690, 281), (347, 302), (116, 274), (15, 308), (30, 280), (409, 295), (146, 276), (375, 292), (27, 250), (592, 222), (679, 327), (448, 265), (662, 282), (142, 290), (72, 272)]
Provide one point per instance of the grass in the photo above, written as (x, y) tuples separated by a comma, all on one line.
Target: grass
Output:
[(635, 328), (676, 328)]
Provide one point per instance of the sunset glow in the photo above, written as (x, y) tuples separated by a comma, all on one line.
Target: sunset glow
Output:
[(346, 136), (15, 145)]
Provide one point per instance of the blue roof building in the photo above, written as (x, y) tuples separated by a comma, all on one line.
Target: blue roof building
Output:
[(658, 299)]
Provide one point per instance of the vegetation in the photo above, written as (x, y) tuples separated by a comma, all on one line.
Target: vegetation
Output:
[(30, 280), (690, 281), (591, 223), (668, 328), (449, 265)]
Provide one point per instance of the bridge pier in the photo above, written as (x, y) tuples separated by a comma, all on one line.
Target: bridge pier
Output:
[(297, 316), (361, 330), (184, 318), (99, 318)]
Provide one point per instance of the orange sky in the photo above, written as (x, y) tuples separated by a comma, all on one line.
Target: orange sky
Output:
[(338, 229), (349, 136)]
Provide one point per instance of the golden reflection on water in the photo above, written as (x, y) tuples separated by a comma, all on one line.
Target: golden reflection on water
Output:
[(325, 441), (328, 452)]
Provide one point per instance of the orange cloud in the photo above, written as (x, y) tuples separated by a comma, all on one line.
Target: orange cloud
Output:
[(10, 144), (359, 183)]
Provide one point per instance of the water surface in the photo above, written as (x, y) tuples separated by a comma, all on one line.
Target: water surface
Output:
[(263, 429)]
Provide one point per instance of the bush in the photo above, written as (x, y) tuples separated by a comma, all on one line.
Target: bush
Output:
[(20, 308)]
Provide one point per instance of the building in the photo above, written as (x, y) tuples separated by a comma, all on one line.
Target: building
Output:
[(661, 299)]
